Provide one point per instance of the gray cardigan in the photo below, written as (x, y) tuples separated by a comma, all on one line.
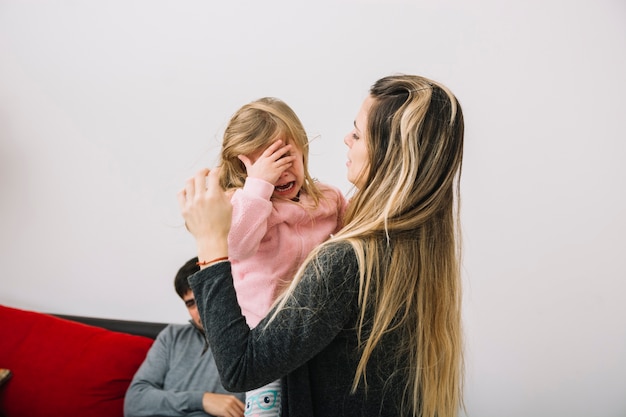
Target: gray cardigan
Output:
[(312, 345)]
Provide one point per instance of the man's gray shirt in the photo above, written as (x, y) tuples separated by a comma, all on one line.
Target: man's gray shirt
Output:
[(174, 376)]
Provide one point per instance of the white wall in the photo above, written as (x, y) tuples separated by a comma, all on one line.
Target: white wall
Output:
[(106, 107)]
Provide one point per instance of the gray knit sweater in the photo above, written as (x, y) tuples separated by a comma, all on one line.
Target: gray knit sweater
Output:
[(174, 376), (312, 345)]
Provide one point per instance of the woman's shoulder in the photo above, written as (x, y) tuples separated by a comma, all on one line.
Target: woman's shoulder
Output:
[(336, 265), (339, 255), (337, 247)]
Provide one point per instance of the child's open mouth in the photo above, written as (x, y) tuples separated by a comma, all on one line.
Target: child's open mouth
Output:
[(285, 188)]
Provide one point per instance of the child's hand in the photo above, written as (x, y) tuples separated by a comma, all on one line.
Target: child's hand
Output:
[(270, 163)]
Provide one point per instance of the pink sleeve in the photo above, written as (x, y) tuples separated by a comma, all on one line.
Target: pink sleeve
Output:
[(251, 210)]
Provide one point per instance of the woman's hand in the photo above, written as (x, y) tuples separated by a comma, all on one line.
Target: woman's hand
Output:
[(207, 211)]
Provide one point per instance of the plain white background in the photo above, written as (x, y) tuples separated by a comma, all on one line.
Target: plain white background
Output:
[(107, 107)]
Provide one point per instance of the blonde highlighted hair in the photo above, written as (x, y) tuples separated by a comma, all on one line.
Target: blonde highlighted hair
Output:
[(254, 127), (404, 228)]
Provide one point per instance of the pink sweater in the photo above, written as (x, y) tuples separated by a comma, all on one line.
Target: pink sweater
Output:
[(268, 240)]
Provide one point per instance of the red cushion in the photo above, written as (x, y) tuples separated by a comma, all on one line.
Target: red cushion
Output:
[(64, 368)]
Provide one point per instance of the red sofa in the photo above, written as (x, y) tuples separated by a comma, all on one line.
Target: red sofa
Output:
[(63, 367)]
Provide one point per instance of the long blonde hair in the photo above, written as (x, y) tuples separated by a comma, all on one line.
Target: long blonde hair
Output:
[(404, 228), (254, 127)]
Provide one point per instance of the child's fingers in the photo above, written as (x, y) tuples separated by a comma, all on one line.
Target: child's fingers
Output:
[(277, 150), (273, 147)]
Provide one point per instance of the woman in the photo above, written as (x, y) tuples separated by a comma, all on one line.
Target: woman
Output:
[(370, 326)]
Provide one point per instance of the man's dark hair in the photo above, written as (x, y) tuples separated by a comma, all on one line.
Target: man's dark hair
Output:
[(180, 282)]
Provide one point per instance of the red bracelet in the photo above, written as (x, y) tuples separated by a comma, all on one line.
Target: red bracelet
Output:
[(203, 263)]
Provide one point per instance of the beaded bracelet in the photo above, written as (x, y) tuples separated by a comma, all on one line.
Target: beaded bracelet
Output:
[(203, 263)]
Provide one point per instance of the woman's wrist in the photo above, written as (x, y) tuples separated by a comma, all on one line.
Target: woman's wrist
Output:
[(202, 263), (212, 251)]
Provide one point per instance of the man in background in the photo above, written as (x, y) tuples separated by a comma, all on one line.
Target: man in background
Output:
[(178, 377)]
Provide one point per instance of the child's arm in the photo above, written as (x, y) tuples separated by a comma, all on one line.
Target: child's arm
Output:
[(251, 210)]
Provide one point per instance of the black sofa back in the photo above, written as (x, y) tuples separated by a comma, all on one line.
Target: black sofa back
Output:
[(140, 328)]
